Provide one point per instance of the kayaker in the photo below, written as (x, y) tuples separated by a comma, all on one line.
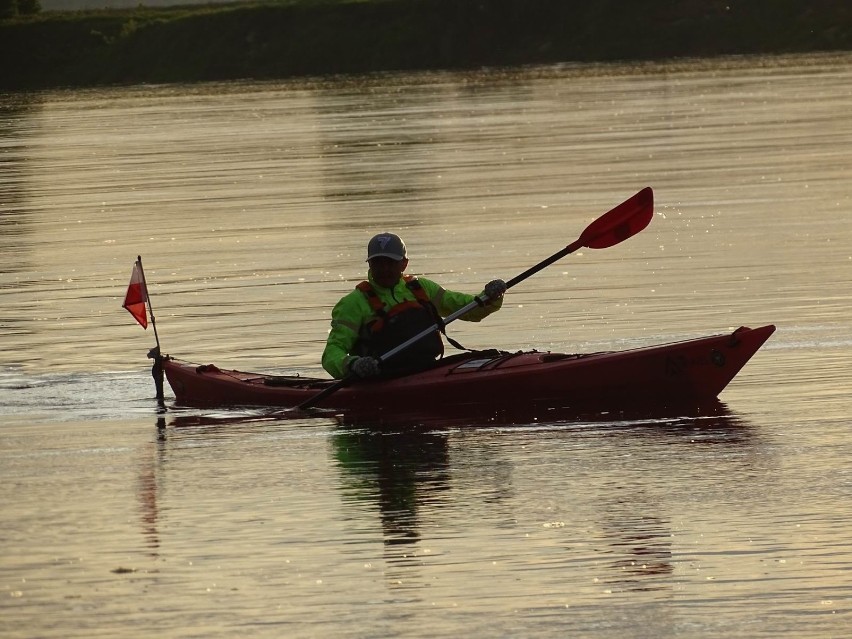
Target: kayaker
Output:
[(389, 308)]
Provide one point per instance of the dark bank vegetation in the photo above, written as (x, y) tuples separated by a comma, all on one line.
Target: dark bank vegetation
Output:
[(316, 37), (13, 8)]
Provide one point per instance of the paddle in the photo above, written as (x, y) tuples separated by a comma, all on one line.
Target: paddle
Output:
[(611, 228)]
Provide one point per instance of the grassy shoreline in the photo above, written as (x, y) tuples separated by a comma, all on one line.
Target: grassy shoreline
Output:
[(314, 37)]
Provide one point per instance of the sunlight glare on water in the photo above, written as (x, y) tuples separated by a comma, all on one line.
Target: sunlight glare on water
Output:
[(251, 205)]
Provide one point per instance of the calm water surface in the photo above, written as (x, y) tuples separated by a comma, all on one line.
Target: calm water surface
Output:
[(251, 205)]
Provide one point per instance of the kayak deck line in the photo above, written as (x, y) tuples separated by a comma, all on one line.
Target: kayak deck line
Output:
[(690, 370)]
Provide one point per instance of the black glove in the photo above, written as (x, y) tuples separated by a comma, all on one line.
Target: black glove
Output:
[(364, 367), (495, 289)]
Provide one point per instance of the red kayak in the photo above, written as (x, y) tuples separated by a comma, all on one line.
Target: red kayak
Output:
[(665, 375)]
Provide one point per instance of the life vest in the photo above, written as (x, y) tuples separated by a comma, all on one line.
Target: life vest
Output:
[(392, 326)]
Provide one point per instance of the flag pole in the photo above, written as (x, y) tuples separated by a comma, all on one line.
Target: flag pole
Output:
[(154, 353), (148, 300)]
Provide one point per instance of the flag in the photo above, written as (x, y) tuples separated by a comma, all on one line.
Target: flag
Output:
[(137, 293)]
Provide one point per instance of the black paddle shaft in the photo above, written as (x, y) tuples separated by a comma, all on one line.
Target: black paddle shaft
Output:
[(543, 264)]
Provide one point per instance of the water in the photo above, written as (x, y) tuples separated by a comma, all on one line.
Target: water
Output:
[(251, 205)]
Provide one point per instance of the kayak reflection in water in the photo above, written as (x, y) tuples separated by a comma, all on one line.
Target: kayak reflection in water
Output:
[(389, 308)]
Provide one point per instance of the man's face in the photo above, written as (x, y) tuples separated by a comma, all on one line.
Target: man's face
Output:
[(386, 272)]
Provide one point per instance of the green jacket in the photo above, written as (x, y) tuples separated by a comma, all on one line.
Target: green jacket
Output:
[(353, 311)]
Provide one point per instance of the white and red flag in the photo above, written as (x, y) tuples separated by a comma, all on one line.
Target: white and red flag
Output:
[(136, 296)]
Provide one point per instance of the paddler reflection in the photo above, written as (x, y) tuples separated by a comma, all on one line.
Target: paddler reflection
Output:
[(399, 472)]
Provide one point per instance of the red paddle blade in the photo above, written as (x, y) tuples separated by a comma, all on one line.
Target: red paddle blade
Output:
[(625, 220)]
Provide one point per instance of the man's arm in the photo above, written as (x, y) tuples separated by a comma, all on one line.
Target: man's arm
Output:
[(448, 302), (345, 324)]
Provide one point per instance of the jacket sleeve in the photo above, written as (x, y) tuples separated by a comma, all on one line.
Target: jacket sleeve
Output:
[(346, 318), (448, 302)]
